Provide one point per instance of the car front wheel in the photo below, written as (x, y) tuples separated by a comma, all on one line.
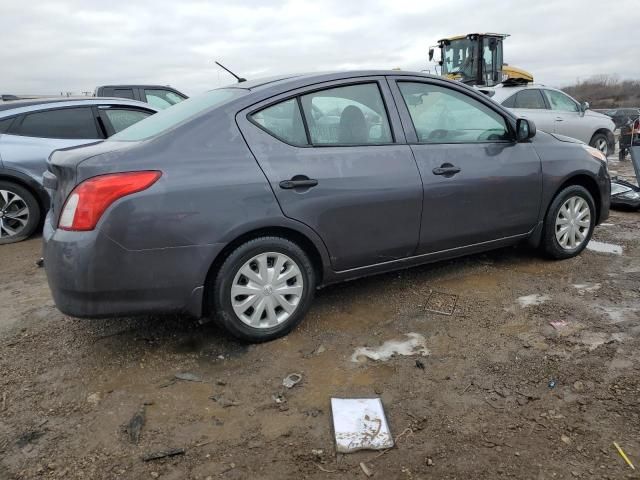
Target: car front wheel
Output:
[(263, 289), (599, 141), (19, 213), (569, 223)]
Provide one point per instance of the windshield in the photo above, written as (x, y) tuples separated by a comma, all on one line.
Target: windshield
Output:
[(459, 58), (175, 115)]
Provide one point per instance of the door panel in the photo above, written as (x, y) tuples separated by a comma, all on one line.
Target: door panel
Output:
[(496, 194), (364, 201), (568, 118), (477, 187)]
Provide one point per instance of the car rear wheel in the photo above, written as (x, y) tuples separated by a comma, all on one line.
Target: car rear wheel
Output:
[(600, 142), (19, 213), (263, 289), (569, 223)]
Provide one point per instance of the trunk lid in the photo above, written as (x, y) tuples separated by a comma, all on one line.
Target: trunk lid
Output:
[(61, 176)]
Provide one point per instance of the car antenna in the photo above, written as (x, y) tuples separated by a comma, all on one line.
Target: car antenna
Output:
[(240, 79)]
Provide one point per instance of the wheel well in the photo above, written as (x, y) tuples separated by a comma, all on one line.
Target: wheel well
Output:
[(298, 238), (41, 203), (588, 183)]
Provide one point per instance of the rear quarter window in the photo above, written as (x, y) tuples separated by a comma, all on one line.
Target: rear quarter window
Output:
[(5, 124), (179, 113)]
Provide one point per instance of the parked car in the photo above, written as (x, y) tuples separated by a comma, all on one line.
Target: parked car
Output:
[(622, 116), (158, 96), (30, 130), (554, 111), (240, 202)]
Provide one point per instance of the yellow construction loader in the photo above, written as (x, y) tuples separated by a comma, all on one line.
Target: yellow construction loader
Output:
[(476, 59)]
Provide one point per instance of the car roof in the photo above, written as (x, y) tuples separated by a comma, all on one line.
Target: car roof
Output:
[(21, 106), (501, 92), (308, 78)]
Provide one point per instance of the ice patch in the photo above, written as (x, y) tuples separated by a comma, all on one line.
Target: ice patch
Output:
[(414, 345), (535, 299), (602, 247)]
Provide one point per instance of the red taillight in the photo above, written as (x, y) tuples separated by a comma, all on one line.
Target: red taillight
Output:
[(636, 126), (88, 201)]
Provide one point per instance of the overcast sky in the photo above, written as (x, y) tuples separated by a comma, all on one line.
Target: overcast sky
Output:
[(74, 45)]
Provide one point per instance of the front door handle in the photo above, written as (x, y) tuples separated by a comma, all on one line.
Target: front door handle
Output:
[(446, 169), (299, 181), (559, 119)]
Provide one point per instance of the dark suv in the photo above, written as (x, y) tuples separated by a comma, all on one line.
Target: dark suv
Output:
[(158, 96), (240, 202)]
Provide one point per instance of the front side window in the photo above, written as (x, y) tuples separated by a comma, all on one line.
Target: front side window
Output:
[(350, 115), (181, 112), (442, 115), (72, 123), (531, 99), (284, 121), (162, 98), (561, 102), (121, 118)]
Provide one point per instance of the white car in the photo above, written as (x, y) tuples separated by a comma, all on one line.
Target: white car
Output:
[(553, 111)]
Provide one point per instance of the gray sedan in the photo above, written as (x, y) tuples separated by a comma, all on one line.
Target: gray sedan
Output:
[(240, 202), (30, 130)]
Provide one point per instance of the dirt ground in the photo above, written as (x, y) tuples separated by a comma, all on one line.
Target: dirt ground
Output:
[(503, 393)]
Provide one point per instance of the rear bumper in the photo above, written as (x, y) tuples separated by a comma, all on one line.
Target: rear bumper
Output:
[(92, 276)]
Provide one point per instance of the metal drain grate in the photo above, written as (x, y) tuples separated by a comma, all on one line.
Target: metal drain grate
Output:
[(442, 303)]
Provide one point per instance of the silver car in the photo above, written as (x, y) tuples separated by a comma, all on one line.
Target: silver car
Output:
[(553, 111), (30, 130)]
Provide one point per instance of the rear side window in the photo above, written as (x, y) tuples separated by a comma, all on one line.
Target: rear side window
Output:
[(284, 121), (162, 98), (531, 99), (178, 114), (72, 123), (5, 123), (121, 118), (350, 115), (118, 92)]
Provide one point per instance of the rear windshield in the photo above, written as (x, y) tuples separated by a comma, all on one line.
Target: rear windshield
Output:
[(179, 113)]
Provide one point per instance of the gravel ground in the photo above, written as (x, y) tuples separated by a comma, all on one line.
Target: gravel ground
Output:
[(502, 393)]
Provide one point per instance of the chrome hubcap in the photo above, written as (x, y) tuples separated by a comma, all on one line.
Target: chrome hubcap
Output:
[(14, 214), (573, 223), (267, 290), (601, 144)]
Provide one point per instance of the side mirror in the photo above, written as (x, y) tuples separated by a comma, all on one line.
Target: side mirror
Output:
[(525, 129), (584, 106), (431, 54)]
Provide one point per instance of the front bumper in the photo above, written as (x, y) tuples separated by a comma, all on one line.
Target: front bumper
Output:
[(92, 276)]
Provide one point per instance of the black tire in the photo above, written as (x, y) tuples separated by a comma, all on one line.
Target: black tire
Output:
[(595, 141), (33, 219), (221, 289), (550, 244)]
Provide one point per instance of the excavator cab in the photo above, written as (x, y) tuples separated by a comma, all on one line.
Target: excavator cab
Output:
[(477, 59)]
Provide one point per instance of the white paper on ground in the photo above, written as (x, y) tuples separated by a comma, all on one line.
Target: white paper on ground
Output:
[(360, 424)]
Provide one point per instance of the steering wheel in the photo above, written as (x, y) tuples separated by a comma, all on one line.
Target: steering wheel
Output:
[(438, 134)]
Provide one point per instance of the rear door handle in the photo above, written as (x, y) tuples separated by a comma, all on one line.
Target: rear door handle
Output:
[(559, 119), (299, 181), (446, 169)]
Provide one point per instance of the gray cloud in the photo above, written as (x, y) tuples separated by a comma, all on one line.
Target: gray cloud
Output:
[(74, 45)]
